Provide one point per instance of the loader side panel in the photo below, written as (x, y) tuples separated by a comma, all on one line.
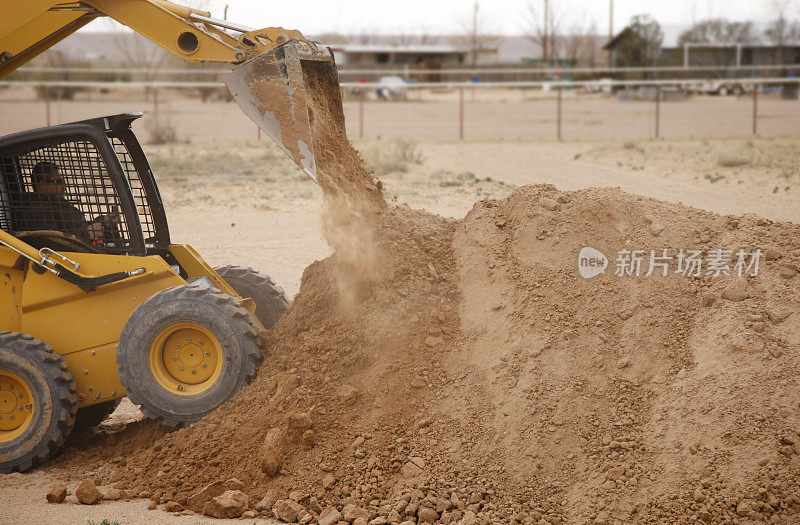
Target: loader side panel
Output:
[(11, 277), (85, 327), (70, 319)]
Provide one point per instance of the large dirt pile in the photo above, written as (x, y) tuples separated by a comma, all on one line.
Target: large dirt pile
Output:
[(463, 371), (479, 376), (633, 398)]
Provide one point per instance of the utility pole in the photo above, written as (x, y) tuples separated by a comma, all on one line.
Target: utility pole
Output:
[(610, 28), (475, 44), (546, 34)]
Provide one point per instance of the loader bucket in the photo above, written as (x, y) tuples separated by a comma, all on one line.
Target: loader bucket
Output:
[(271, 90)]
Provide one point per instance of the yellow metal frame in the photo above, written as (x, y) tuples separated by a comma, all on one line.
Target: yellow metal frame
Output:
[(82, 326), (194, 265), (31, 27)]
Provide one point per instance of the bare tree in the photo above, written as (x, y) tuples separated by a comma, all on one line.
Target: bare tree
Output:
[(782, 29), (423, 38), (478, 33), (640, 43), (543, 27), (718, 30), (579, 44), (363, 38), (139, 53), (715, 31)]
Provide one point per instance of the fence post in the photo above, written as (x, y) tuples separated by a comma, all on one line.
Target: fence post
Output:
[(658, 112), (361, 113), (558, 117), (755, 109), (461, 113), (47, 102), (155, 104)]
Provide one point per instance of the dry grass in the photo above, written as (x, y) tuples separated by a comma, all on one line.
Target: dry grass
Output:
[(630, 145), (161, 131), (732, 161), (393, 156)]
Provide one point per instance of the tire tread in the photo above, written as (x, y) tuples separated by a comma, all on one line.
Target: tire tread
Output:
[(239, 316), (66, 394)]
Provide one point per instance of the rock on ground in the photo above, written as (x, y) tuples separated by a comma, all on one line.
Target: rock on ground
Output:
[(197, 501), (88, 494), (287, 510), (329, 516), (230, 504), (57, 494)]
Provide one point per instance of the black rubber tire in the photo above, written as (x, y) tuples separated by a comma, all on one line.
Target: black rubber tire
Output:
[(91, 416), (51, 384), (270, 299), (218, 312)]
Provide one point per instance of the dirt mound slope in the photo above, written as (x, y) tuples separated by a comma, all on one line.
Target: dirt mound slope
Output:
[(478, 375), (634, 398)]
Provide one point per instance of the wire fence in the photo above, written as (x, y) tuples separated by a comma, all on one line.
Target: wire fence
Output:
[(653, 91), (498, 73)]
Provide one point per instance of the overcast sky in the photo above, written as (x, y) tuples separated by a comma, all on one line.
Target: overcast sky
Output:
[(449, 16)]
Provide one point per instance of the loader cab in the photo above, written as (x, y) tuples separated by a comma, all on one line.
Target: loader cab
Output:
[(82, 187)]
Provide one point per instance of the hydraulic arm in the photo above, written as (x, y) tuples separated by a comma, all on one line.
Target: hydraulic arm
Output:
[(267, 82)]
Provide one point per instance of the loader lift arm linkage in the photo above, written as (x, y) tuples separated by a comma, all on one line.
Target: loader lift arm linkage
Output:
[(274, 56), (29, 28)]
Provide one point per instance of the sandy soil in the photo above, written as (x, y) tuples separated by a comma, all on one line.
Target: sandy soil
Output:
[(241, 202)]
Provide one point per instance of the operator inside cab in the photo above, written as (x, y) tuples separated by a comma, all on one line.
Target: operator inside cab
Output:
[(47, 208)]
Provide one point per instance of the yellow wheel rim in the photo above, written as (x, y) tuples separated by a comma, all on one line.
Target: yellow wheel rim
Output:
[(186, 359), (16, 406)]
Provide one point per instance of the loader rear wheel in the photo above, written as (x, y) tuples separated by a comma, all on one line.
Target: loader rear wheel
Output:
[(91, 416), (270, 299), (185, 351), (38, 402)]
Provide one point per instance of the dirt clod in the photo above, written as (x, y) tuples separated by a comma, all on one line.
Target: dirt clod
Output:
[(88, 494), (57, 493), (287, 510), (229, 504)]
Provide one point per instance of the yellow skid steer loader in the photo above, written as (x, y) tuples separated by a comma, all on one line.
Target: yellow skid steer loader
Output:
[(99, 303)]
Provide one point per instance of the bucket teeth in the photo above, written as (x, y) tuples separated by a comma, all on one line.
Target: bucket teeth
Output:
[(271, 90)]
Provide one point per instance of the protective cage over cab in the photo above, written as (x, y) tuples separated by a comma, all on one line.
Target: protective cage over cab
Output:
[(83, 187)]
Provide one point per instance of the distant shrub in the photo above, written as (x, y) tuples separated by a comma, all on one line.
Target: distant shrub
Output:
[(161, 131), (393, 156), (732, 161)]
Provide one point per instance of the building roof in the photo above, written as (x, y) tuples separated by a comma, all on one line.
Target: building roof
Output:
[(407, 49)]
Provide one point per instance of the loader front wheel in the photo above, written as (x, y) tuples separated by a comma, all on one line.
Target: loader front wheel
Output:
[(185, 351), (270, 299), (38, 402)]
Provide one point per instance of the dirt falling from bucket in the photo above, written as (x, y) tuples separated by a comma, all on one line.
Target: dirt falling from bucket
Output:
[(353, 196)]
